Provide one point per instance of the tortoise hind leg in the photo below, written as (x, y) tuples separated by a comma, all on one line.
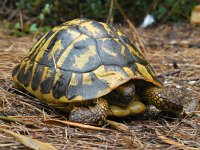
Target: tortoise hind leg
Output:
[(90, 115), (157, 97)]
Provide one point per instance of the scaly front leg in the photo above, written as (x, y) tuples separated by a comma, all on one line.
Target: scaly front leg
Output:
[(156, 96), (90, 115)]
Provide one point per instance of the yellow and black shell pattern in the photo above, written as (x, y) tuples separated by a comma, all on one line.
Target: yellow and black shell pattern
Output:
[(81, 60)]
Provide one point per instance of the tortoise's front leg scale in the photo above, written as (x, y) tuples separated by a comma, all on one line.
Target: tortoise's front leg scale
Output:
[(157, 97), (90, 115)]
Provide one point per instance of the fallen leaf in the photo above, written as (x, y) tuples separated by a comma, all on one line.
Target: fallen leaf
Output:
[(29, 142), (195, 15)]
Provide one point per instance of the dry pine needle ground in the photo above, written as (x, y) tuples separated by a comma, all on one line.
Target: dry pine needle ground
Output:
[(174, 53)]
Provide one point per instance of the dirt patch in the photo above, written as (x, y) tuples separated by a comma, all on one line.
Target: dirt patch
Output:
[(174, 53)]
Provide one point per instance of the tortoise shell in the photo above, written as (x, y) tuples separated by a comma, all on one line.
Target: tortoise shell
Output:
[(81, 60)]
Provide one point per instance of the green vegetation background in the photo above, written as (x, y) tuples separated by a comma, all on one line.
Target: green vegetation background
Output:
[(42, 14)]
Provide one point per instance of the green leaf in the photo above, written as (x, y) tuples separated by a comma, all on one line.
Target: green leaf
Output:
[(45, 29), (46, 9), (33, 27), (17, 26), (41, 16)]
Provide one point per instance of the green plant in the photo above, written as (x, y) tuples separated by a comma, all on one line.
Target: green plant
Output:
[(173, 10), (40, 15)]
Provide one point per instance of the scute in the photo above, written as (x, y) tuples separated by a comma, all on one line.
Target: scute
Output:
[(81, 60), (81, 56), (48, 80), (61, 85), (95, 30), (112, 52), (37, 76)]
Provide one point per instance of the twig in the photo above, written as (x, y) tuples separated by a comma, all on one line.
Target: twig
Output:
[(12, 14), (118, 126), (171, 142), (131, 26), (74, 124), (54, 62), (21, 21), (110, 15), (170, 73)]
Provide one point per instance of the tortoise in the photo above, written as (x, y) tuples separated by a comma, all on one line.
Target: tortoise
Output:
[(92, 70)]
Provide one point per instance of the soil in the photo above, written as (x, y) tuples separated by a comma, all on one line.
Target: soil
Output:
[(174, 53)]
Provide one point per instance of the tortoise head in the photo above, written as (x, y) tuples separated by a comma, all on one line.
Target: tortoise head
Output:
[(122, 95)]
